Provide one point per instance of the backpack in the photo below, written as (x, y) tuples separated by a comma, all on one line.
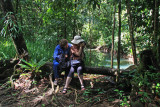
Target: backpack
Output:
[(63, 63)]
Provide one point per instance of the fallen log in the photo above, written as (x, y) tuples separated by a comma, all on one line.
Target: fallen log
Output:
[(103, 71), (89, 70), (47, 69)]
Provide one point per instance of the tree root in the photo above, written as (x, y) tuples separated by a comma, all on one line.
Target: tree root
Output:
[(4, 85), (11, 80), (76, 97), (50, 78), (5, 91), (9, 100)]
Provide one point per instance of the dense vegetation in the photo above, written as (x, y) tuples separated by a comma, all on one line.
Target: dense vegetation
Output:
[(46, 22), (122, 27)]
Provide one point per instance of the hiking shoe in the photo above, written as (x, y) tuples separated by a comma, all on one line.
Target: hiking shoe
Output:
[(55, 82)]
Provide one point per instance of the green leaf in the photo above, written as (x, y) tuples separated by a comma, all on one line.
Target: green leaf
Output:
[(27, 63)]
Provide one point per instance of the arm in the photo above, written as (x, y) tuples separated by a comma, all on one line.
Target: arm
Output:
[(55, 55), (79, 52)]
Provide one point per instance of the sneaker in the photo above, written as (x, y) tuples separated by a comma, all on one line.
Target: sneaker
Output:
[(55, 82)]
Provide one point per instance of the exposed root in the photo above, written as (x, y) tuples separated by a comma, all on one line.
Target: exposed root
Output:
[(11, 80), (9, 100), (76, 97), (5, 91), (37, 100), (32, 90), (4, 85), (57, 89), (50, 78)]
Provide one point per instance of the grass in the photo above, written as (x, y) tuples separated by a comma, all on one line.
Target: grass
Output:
[(37, 49), (7, 49)]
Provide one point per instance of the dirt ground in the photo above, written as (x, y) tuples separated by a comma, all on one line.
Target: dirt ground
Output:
[(29, 93)]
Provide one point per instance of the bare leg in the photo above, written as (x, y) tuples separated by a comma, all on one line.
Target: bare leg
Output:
[(81, 79)]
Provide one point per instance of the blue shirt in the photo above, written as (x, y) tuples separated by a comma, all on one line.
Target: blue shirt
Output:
[(58, 51)]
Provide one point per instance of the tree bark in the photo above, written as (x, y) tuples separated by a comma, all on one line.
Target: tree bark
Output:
[(18, 39), (155, 43), (102, 71), (119, 36), (112, 50), (131, 30)]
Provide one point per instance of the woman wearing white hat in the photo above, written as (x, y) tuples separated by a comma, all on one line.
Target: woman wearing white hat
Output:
[(77, 55)]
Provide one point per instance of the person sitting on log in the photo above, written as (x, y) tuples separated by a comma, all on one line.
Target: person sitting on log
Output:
[(77, 64), (61, 56)]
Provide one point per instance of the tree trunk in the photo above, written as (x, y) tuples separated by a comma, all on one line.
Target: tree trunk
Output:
[(112, 51), (119, 41), (155, 43), (119, 36), (131, 29), (18, 39)]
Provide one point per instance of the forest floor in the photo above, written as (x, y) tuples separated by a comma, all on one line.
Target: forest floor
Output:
[(99, 93)]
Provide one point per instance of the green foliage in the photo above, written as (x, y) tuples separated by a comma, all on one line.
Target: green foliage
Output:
[(7, 49), (32, 66), (143, 84), (42, 22), (144, 97), (123, 98), (41, 49), (10, 25), (157, 89)]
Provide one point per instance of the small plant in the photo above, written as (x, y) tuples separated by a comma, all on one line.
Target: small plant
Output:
[(43, 105), (158, 89), (32, 66), (123, 98), (144, 97), (5, 56), (87, 92)]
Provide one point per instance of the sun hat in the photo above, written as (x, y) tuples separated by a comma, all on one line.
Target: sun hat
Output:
[(77, 39)]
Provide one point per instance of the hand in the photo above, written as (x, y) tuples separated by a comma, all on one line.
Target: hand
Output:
[(82, 44), (66, 56)]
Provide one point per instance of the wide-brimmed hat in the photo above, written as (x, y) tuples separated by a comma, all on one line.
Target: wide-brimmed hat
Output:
[(77, 39)]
